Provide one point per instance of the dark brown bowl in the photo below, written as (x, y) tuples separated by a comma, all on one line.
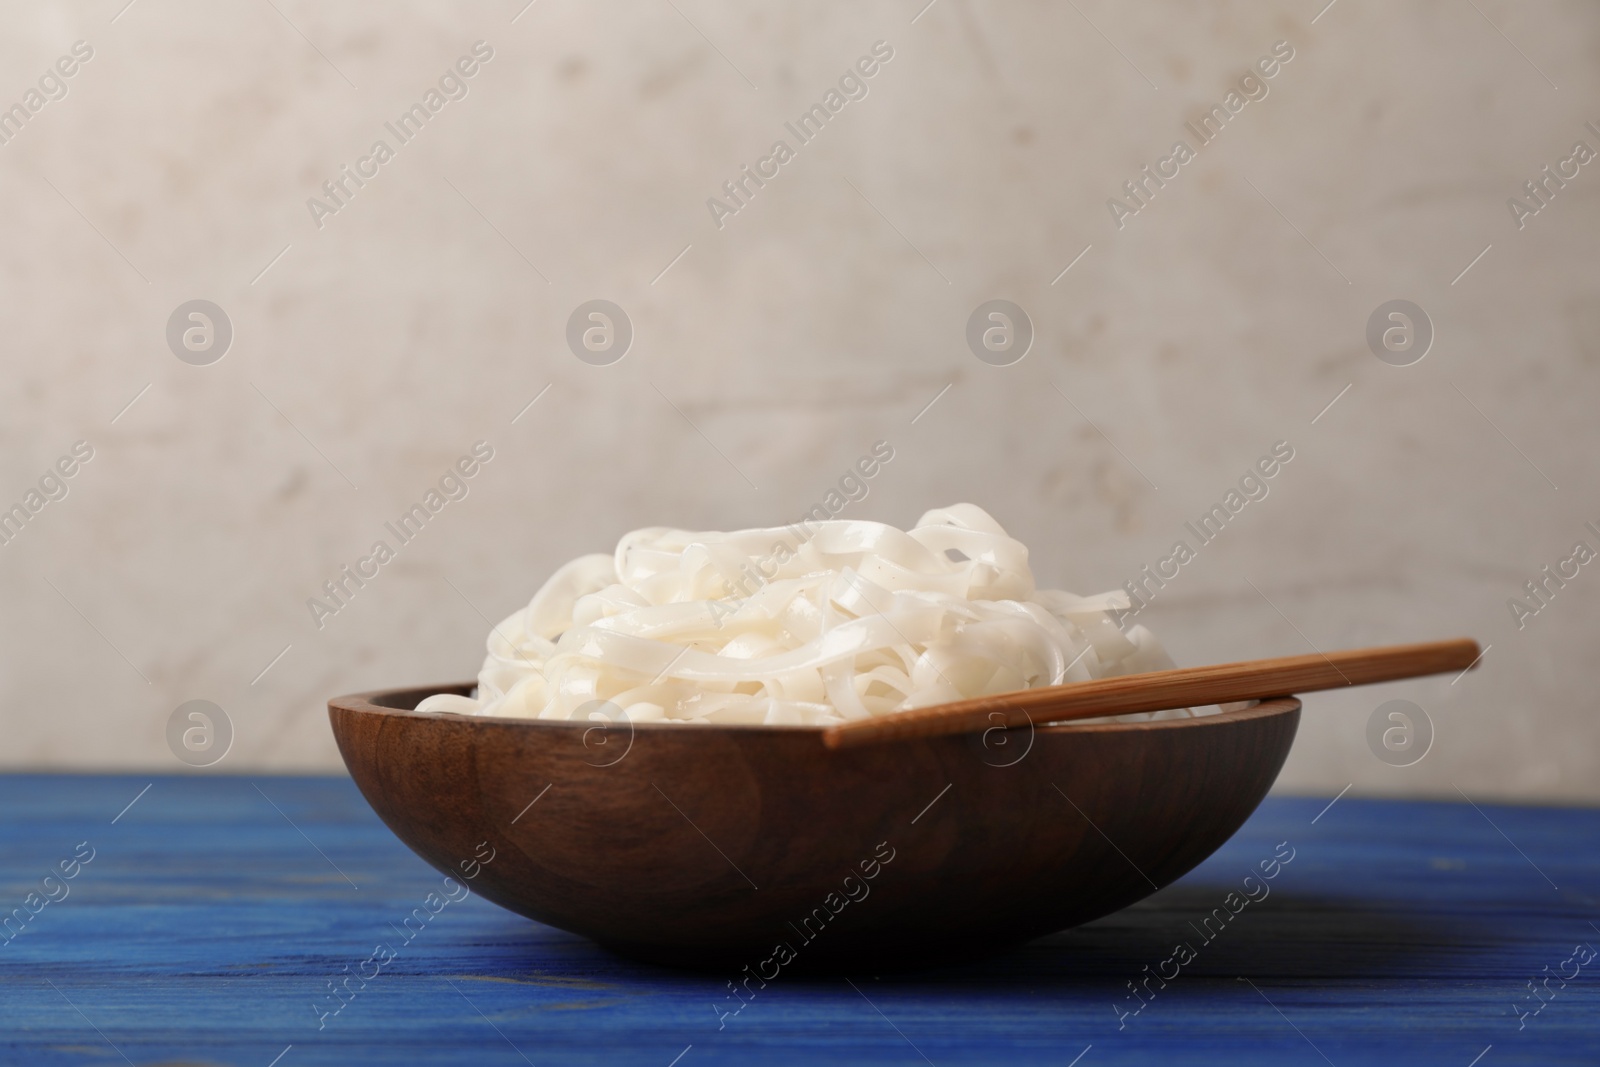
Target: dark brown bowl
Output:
[(713, 845)]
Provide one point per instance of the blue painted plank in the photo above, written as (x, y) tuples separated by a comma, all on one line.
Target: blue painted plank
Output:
[(215, 911)]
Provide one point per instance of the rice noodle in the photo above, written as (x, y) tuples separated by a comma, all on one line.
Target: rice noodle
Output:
[(815, 623)]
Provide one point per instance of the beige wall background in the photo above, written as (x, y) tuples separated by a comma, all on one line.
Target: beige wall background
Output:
[(370, 353)]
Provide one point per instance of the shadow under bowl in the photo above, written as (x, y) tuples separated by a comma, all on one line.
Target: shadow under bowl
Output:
[(710, 846)]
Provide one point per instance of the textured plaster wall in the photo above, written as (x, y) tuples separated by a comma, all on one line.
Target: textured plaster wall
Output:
[(423, 316)]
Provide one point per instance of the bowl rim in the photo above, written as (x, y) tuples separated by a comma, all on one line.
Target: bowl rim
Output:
[(367, 703)]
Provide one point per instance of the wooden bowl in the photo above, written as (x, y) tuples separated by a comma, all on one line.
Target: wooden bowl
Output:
[(712, 846)]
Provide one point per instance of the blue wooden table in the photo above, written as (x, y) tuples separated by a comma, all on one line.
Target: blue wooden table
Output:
[(201, 920)]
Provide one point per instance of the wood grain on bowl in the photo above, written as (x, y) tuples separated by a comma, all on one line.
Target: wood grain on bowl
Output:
[(710, 845)]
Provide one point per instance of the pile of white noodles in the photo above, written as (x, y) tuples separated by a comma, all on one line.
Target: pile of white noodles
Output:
[(808, 624)]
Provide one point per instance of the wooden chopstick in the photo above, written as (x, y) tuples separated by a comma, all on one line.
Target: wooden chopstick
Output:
[(1185, 687)]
